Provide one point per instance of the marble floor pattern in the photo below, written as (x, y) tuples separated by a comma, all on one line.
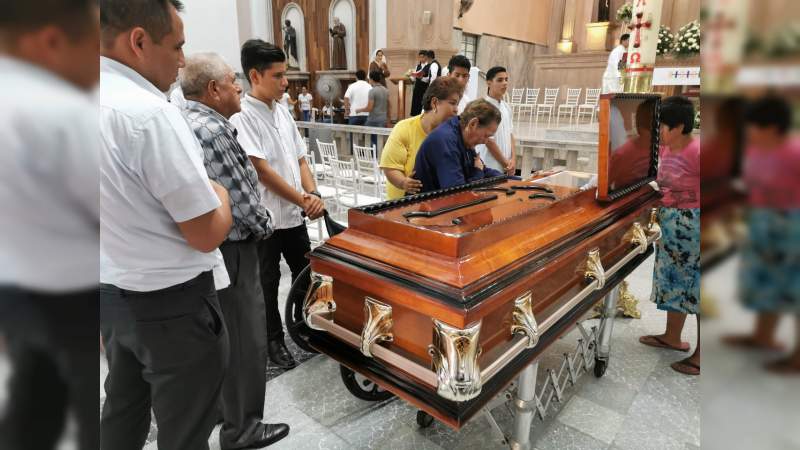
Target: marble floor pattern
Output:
[(640, 403)]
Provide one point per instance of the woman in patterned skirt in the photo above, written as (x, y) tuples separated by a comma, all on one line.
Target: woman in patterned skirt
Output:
[(676, 274), (769, 281)]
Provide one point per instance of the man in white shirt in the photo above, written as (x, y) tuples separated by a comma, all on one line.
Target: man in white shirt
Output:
[(305, 100), (49, 172), (161, 221), (499, 152), (356, 97), (271, 139), (458, 67), (611, 77), (433, 70)]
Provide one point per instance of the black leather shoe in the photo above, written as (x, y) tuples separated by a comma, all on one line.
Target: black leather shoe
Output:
[(280, 355), (270, 434)]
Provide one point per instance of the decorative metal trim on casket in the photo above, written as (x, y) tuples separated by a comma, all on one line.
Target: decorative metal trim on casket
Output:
[(455, 359)]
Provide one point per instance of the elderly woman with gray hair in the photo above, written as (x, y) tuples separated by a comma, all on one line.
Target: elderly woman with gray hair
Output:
[(212, 97)]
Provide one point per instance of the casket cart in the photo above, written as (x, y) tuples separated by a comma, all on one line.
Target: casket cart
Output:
[(446, 298)]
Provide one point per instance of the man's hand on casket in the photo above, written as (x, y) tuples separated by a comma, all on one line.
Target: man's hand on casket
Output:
[(313, 206)]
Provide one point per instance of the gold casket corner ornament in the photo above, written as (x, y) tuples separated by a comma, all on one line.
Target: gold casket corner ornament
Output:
[(319, 300), (636, 236), (377, 325), (592, 268), (653, 227), (523, 321), (454, 353)]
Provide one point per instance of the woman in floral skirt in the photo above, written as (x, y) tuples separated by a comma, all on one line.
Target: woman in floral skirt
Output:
[(676, 274)]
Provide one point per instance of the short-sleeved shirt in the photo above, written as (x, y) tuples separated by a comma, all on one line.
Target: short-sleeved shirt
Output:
[(270, 133), (444, 160), (151, 178), (49, 179), (773, 176), (400, 150), (305, 101), (358, 95), (502, 136), (679, 176), (378, 95)]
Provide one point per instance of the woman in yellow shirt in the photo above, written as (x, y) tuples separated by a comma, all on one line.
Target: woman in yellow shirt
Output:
[(439, 103)]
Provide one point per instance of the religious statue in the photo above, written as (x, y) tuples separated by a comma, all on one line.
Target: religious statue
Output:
[(338, 55), (290, 45)]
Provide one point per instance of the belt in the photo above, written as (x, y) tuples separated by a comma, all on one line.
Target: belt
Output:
[(204, 277)]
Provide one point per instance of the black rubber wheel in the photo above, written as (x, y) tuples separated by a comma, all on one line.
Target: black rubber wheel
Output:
[(600, 366), (362, 387), (293, 315), (424, 420)]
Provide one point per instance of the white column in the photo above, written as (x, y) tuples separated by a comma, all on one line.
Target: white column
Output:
[(269, 33)]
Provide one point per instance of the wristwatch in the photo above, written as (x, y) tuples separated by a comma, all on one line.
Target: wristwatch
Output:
[(316, 193)]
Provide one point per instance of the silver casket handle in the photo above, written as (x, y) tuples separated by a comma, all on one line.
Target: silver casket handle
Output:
[(377, 325), (454, 354)]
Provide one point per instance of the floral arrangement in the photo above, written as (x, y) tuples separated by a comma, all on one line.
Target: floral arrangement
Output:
[(688, 39), (409, 77), (625, 13), (785, 41), (666, 41)]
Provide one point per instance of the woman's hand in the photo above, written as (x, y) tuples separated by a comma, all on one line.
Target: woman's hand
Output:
[(411, 185)]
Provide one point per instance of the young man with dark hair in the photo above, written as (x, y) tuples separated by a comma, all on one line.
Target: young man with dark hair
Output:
[(378, 101), (269, 135), (458, 67), (499, 152), (356, 98), (212, 97), (611, 77), (162, 220), (49, 177)]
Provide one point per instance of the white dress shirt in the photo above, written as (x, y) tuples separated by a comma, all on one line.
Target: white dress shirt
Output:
[(151, 177), (271, 134), (465, 99), (49, 171), (502, 137), (434, 69), (611, 76), (358, 94)]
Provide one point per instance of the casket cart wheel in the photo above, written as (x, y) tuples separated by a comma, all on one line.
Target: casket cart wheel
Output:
[(362, 387), (600, 366), (298, 330), (424, 420)]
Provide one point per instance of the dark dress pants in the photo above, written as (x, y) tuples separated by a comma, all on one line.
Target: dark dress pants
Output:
[(166, 350), (244, 387), (416, 97), (52, 344), (293, 244)]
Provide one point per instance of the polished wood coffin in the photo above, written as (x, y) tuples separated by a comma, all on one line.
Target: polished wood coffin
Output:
[(442, 298)]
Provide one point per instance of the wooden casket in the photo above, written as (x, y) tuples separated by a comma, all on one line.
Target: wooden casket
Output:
[(443, 298)]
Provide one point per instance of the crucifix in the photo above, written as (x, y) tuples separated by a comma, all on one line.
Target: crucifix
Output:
[(637, 40)]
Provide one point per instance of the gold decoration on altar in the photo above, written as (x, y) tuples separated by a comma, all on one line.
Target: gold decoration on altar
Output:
[(627, 304)]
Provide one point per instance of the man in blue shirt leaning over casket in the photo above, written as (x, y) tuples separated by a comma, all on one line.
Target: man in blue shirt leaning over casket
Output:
[(447, 157)]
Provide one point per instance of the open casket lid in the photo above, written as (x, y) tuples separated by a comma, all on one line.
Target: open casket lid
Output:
[(457, 241)]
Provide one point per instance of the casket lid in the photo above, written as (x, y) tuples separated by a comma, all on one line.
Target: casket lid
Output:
[(463, 236)]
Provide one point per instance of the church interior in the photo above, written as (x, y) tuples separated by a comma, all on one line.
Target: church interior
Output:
[(481, 223)]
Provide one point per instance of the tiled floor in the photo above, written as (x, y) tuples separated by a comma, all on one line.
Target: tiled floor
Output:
[(640, 403)]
